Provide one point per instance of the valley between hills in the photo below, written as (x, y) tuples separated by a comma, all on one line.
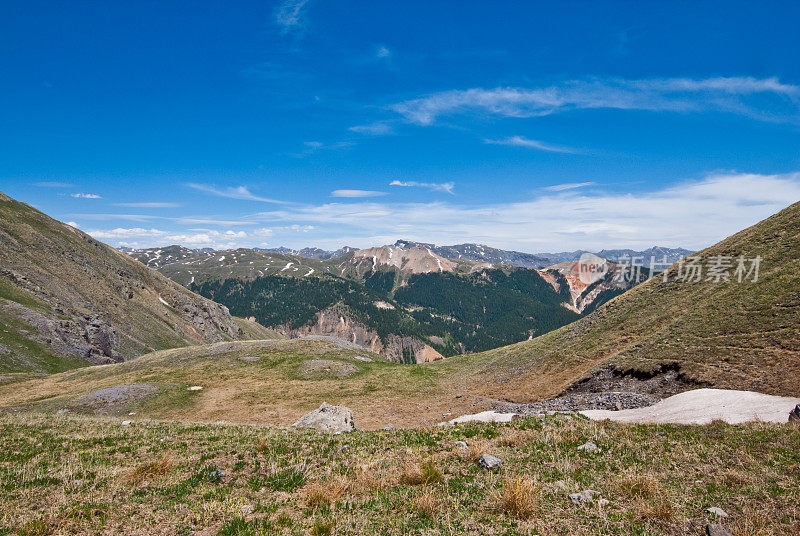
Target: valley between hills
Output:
[(185, 367)]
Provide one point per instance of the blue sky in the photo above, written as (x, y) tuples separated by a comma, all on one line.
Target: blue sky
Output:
[(526, 125)]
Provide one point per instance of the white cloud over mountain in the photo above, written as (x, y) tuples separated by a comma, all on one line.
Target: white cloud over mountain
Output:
[(691, 214)]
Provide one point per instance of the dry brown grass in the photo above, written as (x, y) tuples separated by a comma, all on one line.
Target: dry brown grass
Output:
[(149, 470), (414, 473), (475, 449), (515, 438), (427, 503), (662, 511), (325, 493), (519, 497), (637, 485)]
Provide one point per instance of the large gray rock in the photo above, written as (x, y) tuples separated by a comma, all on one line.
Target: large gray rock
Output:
[(327, 418), (794, 415)]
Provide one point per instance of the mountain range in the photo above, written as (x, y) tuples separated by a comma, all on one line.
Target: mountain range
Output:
[(668, 334), (405, 302), (482, 253)]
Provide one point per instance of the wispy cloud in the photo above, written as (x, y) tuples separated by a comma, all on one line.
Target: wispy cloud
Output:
[(356, 193), (568, 186), (143, 237), (288, 13), (53, 184), (522, 141), (149, 204), (113, 217), (764, 99), (383, 52), (378, 128), (85, 196), (238, 192), (446, 187), (692, 214), (312, 147)]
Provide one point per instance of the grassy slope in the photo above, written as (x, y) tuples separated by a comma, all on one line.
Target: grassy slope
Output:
[(76, 276), (276, 389), (730, 335), (76, 475)]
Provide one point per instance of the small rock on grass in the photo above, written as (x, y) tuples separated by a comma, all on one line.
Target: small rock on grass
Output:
[(461, 444), (590, 447), (488, 461), (583, 497), (717, 511), (126, 423), (715, 529), (388, 427)]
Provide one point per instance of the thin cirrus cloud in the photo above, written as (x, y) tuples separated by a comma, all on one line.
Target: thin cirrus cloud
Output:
[(378, 128), (446, 187), (522, 141), (149, 204), (356, 193), (231, 192), (85, 196), (568, 186), (288, 14), (765, 99)]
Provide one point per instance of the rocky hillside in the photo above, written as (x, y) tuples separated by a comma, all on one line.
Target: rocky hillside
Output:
[(586, 295), (67, 300), (481, 253), (414, 260), (719, 325)]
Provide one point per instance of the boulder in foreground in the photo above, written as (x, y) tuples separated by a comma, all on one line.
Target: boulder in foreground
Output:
[(327, 418)]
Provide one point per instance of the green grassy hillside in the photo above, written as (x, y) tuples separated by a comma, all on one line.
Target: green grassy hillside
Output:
[(724, 334), (67, 300)]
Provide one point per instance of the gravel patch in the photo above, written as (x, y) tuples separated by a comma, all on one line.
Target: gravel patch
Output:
[(113, 400)]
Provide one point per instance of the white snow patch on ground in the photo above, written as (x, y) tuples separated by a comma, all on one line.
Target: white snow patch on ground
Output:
[(484, 416), (702, 406), (289, 265), (162, 300), (310, 271)]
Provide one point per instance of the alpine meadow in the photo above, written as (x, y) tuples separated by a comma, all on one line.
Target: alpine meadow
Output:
[(300, 267)]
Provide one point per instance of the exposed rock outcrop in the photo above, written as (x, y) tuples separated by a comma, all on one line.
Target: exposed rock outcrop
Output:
[(327, 418), (336, 322), (77, 298)]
